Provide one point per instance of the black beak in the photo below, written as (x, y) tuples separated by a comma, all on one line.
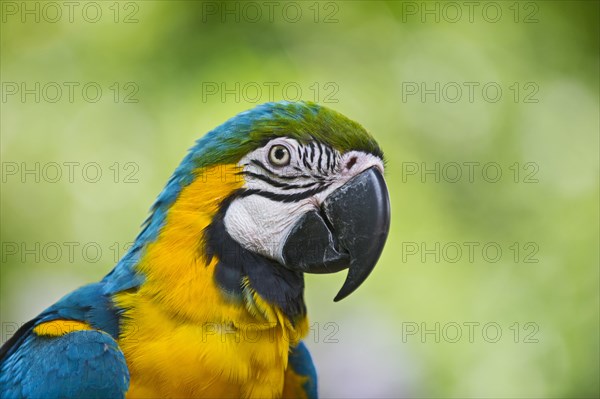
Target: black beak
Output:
[(349, 232)]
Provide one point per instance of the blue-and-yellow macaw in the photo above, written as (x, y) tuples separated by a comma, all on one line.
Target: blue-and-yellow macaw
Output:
[(208, 302)]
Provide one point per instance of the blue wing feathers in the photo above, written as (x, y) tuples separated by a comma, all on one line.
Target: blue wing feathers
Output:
[(301, 362), (86, 364), (82, 364)]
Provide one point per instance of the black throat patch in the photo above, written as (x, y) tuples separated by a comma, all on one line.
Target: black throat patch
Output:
[(271, 280)]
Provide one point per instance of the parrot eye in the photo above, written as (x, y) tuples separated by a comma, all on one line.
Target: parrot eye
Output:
[(279, 155)]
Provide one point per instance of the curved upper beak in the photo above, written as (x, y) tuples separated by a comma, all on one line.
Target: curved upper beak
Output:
[(349, 231)]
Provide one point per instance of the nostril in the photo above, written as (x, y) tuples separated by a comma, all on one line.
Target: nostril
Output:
[(351, 162)]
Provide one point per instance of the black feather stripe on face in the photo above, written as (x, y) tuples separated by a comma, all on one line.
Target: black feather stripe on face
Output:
[(272, 281), (295, 197), (278, 175), (275, 183), (314, 164)]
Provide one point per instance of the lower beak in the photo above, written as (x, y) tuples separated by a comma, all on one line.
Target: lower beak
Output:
[(349, 232)]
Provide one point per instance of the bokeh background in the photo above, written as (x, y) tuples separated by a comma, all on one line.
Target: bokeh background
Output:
[(430, 321)]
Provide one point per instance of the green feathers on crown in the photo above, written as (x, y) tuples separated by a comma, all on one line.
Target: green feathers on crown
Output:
[(303, 121)]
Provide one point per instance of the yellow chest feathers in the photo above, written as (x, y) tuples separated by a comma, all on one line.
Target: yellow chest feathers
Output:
[(236, 356), (181, 336)]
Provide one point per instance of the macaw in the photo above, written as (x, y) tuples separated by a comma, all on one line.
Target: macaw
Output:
[(209, 300)]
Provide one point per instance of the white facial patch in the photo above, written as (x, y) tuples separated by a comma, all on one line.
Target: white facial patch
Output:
[(261, 225), (278, 196)]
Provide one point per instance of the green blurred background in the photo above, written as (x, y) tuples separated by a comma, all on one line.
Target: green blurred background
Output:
[(420, 326)]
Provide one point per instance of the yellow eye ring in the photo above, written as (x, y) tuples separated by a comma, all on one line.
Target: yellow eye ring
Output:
[(279, 155)]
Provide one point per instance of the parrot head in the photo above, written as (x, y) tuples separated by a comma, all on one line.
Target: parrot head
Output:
[(311, 198)]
